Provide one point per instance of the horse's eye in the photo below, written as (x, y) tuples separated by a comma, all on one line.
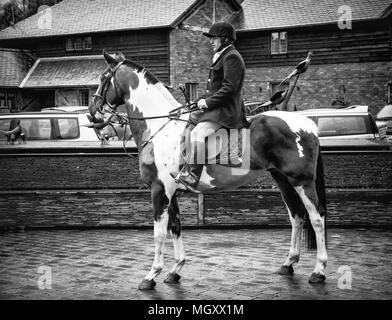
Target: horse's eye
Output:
[(103, 77)]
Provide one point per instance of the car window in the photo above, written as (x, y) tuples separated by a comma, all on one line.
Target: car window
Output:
[(68, 128), (346, 125), (385, 112), (5, 124), (36, 129)]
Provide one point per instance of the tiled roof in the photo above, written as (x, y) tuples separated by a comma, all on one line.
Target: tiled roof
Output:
[(85, 16), (269, 14), (13, 67), (65, 72)]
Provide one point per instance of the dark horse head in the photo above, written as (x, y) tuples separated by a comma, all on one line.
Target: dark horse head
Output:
[(110, 92)]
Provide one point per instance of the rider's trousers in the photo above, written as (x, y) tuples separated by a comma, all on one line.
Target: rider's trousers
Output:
[(198, 138)]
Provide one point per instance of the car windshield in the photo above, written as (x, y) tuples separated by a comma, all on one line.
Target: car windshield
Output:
[(385, 112), (338, 125)]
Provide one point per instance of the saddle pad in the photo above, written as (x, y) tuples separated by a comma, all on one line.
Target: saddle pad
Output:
[(226, 147)]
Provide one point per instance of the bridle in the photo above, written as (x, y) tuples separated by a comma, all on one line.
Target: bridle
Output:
[(102, 96), (125, 120)]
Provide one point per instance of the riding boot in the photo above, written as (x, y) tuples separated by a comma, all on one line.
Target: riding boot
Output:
[(193, 167), (190, 175)]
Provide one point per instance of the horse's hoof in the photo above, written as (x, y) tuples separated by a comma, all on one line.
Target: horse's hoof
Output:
[(172, 278), (317, 278), (147, 284), (286, 270)]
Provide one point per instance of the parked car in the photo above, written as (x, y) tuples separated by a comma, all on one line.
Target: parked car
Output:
[(348, 128), (384, 119), (50, 126), (57, 128)]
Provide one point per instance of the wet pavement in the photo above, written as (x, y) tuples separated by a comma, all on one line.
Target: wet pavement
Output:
[(221, 264)]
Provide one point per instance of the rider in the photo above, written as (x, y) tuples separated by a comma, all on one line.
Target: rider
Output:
[(223, 105)]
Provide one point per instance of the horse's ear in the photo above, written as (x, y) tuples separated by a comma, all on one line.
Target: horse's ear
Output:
[(119, 56), (111, 61)]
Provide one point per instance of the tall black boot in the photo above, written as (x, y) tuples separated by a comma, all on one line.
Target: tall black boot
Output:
[(190, 174)]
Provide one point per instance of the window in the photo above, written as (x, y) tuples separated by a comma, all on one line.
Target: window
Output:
[(84, 97), (3, 99), (44, 128), (5, 124), (8, 99), (78, 44), (339, 126), (68, 128), (191, 90), (69, 45), (278, 42), (36, 129)]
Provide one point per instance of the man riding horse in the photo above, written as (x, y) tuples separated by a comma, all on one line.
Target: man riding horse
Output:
[(223, 106)]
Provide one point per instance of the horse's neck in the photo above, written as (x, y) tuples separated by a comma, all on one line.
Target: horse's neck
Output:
[(151, 100)]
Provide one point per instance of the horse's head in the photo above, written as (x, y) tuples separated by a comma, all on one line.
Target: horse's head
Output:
[(110, 92)]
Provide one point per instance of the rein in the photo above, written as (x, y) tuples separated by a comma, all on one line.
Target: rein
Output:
[(174, 114)]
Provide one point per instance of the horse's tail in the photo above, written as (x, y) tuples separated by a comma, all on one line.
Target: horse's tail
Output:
[(310, 235)]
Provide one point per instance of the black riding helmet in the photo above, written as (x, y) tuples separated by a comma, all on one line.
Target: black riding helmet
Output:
[(221, 29)]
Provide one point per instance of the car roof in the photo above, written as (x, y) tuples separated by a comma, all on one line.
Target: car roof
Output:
[(386, 110), (67, 109), (352, 110), (43, 113)]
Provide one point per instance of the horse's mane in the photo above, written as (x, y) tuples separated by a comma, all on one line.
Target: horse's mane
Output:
[(150, 77)]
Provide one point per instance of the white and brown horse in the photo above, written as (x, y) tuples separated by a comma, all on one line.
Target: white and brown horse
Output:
[(284, 143)]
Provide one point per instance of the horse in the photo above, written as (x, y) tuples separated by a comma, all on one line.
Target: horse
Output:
[(283, 143)]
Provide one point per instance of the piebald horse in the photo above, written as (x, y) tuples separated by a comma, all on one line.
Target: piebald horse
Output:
[(284, 143)]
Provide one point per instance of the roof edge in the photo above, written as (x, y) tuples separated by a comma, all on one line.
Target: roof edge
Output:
[(187, 13), (88, 85), (83, 33), (29, 73), (193, 7), (67, 58), (387, 12), (306, 25)]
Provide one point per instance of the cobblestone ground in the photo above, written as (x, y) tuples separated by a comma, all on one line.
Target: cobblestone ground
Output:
[(222, 264)]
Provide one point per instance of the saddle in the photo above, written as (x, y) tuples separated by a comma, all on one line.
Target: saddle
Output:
[(225, 147)]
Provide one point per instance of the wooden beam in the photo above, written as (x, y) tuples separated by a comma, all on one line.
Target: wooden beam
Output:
[(200, 209)]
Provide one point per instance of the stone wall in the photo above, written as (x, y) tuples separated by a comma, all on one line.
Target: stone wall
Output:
[(125, 209), (67, 172), (364, 84), (69, 191)]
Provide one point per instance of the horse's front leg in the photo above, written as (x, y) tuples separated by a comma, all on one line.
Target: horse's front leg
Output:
[(178, 246), (161, 218)]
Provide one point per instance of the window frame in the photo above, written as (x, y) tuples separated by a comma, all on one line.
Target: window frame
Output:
[(86, 43), (192, 90), (9, 95), (80, 97), (278, 48)]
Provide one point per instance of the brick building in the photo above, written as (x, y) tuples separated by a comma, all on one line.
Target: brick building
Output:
[(352, 47)]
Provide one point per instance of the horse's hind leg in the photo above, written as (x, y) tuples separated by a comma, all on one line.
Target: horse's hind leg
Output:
[(313, 206), (296, 212), (160, 204), (178, 246)]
